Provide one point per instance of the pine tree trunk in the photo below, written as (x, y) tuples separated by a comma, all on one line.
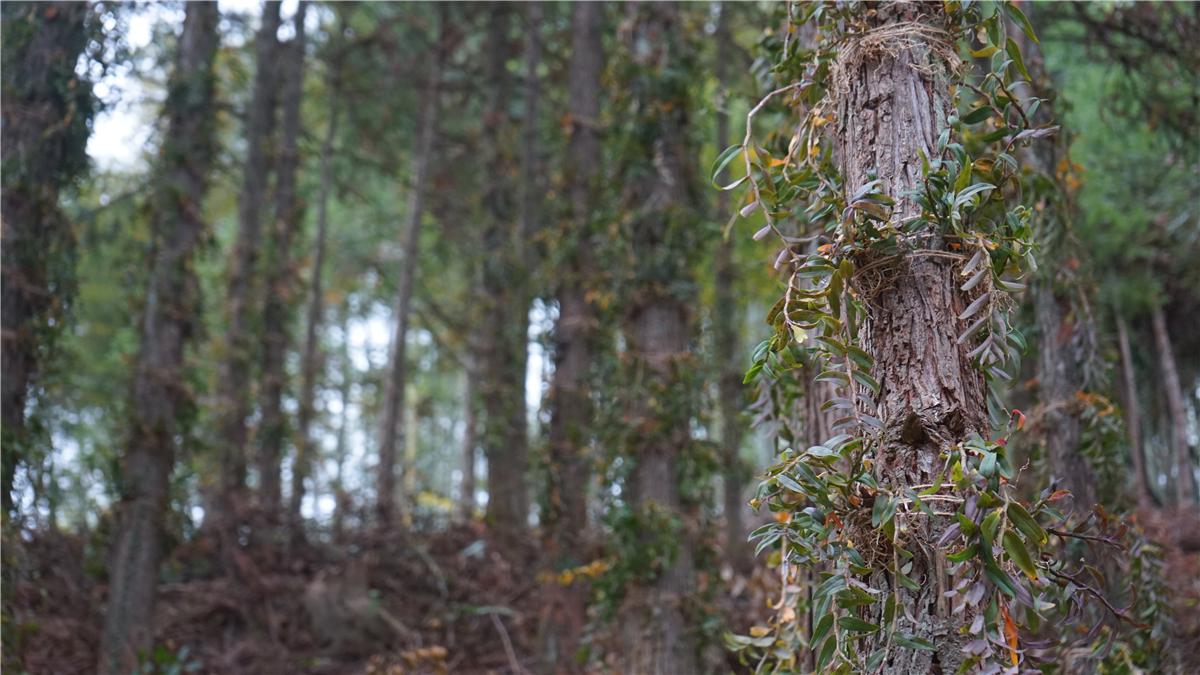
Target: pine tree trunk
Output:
[(1185, 477), (896, 104), (574, 348), (503, 347), (167, 326), (310, 359), (234, 371), (725, 329), (44, 135), (389, 431), (280, 277), (657, 330), (1133, 417)]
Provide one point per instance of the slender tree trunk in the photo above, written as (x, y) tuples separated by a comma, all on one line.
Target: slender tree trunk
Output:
[(725, 329), (657, 330), (394, 396), (311, 358), (1185, 479), (1133, 417), (234, 371), (280, 275), (503, 347), (571, 413), (44, 134), (159, 385), (896, 104), (470, 441), (339, 451)]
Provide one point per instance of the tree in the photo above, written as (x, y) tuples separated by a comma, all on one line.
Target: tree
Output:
[(235, 368), (279, 287), (575, 338), (1185, 477), (657, 327), (167, 325), (397, 381), (47, 110)]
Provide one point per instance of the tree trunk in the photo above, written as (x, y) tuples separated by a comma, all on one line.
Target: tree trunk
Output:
[(44, 134), (503, 347), (657, 330), (470, 441), (159, 385), (725, 329), (394, 397), (896, 104), (1133, 417), (1185, 479), (234, 371), (571, 413), (280, 276), (340, 498), (311, 358)]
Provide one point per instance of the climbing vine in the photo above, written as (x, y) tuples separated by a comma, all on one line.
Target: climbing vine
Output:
[(836, 526)]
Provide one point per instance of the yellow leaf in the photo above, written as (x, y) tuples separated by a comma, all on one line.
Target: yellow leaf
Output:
[(759, 631)]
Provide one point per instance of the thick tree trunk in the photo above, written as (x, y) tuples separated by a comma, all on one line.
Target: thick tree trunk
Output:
[(1133, 417), (310, 359), (896, 104), (1059, 380), (44, 134), (657, 330), (280, 276), (394, 397), (234, 371), (159, 384), (503, 347), (574, 348), (1185, 477), (725, 329)]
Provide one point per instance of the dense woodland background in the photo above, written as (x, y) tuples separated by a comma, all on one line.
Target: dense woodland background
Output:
[(414, 337)]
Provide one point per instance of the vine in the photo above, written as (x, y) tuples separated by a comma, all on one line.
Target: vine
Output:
[(835, 521)]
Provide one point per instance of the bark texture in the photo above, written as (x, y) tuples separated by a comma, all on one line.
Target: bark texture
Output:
[(1185, 477), (235, 369), (657, 329), (503, 345), (389, 432), (280, 275), (575, 346), (44, 135), (896, 103), (159, 386)]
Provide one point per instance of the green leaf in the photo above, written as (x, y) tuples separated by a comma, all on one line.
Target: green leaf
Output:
[(964, 177), (1019, 16), (826, 653), (822, 627), (984, 52), (866, 380), (1015, 52), (977, 115), (857, 625), (884, 509), (1026, 524), (913, 642), (723, 161), (1018, 554)]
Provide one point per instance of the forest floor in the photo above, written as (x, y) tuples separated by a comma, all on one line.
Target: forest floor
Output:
[(441, 602)]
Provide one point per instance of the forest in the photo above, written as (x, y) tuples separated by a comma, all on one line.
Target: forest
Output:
[(834, 336)]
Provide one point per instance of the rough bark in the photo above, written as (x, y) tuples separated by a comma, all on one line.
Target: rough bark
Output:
[(503, 346), (896, 103), (398, 372), (235, 368), (657, 325), (725, 331), (1133, 417), (310, 358), (159, 385), (280, 275), (45, 130), (574, 348), (1185, 477)]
